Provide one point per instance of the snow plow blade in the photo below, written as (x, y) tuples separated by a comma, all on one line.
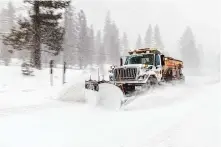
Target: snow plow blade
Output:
[(109, 96)]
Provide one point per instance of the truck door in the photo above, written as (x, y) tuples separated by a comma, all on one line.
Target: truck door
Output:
[(159, 66)]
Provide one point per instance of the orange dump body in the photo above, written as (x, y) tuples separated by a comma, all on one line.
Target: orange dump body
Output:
[(171, 62)]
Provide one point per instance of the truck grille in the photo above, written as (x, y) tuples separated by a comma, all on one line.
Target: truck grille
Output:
[(125, 74)]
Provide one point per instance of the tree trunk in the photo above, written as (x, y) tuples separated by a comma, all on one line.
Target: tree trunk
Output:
[(37, 39)]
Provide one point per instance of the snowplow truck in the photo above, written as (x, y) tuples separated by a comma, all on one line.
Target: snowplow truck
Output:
[(144, 68)]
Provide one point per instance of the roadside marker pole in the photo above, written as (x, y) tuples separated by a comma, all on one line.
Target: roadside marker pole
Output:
[(51, 72)]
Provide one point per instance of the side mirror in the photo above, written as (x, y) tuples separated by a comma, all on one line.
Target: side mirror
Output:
[(121, 61), (162, 60)]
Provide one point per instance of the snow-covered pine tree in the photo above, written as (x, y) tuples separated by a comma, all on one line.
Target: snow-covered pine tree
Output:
[(70, 38), (11, 14), (139, 42), (115, 45), (7, 17), (91, 57), (111, 41), (82, 39), (97, 47), (201, 55), (189, 53), (41, 28), (124, 44), (102, 53), (157, 38), (125, 41), (121, 46), (107, 37), (148, 37)]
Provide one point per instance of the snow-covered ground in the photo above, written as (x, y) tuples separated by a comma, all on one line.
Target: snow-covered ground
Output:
[(173, 116)]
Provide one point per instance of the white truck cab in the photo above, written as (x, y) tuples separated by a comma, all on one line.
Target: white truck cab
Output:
[(138, 68)]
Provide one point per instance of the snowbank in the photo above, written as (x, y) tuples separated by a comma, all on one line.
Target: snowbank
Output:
[(72, 91)]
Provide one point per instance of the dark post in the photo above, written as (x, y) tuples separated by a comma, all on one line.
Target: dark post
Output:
[(51, 71), (64, 71)]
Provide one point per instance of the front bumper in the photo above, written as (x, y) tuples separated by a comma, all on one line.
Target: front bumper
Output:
[(137, 82)]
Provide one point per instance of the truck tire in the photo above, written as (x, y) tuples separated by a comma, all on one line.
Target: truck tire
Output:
[(147, 85), (153, 81)]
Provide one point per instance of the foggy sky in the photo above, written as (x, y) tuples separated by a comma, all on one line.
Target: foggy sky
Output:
[(172, 16)]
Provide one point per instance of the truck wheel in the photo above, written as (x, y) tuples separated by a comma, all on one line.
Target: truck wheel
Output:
[(147, 85), (97, 88), (153, 81)]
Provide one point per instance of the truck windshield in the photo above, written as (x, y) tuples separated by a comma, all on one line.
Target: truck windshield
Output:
[(140, 59)]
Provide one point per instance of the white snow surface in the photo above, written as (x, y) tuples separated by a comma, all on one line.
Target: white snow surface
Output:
[(109, 97), (32, 113)]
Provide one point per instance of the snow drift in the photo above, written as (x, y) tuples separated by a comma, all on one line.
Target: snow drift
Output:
[(72, 92), (109, 96)]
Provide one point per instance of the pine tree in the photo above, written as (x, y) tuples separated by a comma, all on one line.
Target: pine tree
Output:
[(111, 41), (83, 39), (139, 42), (189, 53), (75, 33), (6, 23), (91, 45), (41, 28), (148, 37), (107, 37), (157, 38), (201, 55), (124, 44), (125, 41), (115, 45), (10, 15), (70, 37), (97, 46)]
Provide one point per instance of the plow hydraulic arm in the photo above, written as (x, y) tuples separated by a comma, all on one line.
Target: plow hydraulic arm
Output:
[(93, 84)]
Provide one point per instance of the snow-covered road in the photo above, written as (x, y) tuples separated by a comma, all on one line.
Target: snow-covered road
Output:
[(187, 115), (201, 126)]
